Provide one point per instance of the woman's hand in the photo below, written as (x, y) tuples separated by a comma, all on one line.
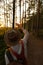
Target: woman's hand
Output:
[(19, 25)]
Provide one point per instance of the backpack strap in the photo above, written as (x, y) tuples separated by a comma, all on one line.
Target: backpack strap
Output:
[(9, 56), (20, 57), (16, 54)]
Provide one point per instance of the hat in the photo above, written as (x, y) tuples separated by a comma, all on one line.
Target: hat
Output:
[(12, 36)]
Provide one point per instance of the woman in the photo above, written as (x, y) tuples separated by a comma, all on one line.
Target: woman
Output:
[(16, 54)]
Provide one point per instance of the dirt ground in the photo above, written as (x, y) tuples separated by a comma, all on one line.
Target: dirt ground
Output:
[(35, 50)]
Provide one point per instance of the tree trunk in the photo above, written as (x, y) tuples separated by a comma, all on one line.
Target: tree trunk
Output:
[(38, 16), (20, 10), (13, 13)]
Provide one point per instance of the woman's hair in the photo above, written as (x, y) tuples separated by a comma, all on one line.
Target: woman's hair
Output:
[(12, 36)]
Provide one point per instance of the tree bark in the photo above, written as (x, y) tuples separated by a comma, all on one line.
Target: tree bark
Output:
[(13, 13)]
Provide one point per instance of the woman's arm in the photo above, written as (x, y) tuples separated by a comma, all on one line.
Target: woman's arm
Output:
[(26, 33), (6, 59)]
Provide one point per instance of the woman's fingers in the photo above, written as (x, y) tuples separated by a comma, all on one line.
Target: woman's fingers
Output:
[(19, 25)]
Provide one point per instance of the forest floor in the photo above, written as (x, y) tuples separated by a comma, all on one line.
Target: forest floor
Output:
[(35, 50)]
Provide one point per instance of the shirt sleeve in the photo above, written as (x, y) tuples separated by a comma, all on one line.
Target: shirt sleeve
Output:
[(26, 36), (6, 59)]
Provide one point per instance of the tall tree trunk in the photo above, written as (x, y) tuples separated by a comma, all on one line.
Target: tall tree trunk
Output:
[(38, 16), (13, 13), (6, 14), (25, 11), (20, 10), (23, 15)]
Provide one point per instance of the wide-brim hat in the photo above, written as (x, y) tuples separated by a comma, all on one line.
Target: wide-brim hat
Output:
[(12, 36)]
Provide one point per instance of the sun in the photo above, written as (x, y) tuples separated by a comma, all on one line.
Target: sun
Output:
[(2, 25)]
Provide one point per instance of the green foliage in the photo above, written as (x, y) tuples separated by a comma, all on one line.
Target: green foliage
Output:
[(2, 51), (2, 46)]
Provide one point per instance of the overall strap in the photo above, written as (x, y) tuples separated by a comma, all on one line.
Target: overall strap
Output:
[(20, 57), (15, 53), (9, 56)]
